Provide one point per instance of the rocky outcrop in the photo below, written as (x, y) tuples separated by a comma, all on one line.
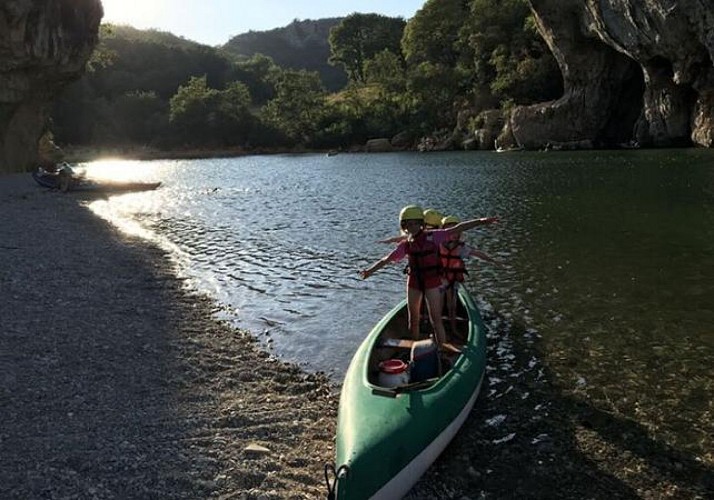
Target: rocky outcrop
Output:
[(402, 141), (44, 44), (441, 140), (300, 45), (381, 145), (487, 126), (634, 71)]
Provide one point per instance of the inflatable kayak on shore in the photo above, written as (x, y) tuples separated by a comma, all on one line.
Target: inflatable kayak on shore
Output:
[(70, 183), (402, 403)]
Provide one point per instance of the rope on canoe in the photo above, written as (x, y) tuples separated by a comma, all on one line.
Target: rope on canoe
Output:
[(332, 485)]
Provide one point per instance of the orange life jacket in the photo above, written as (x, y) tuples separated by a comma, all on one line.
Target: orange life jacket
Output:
[(451, 261), (424, 262)]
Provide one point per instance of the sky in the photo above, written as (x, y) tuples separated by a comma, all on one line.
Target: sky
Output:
[(214, 22)]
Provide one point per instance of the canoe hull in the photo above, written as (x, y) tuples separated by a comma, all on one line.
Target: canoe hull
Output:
[(52, 182), (400, 484), (388, 440)]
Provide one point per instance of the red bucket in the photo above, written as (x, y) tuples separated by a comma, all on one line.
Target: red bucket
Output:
[(393, 372), (393, 366)]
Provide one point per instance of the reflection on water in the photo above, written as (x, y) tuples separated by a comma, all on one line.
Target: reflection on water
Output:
[(609, 257), (120, 171)]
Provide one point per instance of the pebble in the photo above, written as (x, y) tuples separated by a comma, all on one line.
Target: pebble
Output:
[(256, 449)]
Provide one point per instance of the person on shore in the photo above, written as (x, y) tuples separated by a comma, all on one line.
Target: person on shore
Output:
[(452, 253), (63, 174), (66, 177), (425, 277)]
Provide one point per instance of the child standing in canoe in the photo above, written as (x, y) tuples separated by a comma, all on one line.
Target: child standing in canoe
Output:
[(425, 273), (453, 252), (432, 218)]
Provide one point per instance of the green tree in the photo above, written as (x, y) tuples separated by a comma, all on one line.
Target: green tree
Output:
[(203, 116), (102, 56), (126, 64), (434, 90), (387, 70), (140, 117), (432, 49), (190, 108), (359, 37), (508, 55), (298, 105), (432, 35), (259, 74), (151, 87), (232, 120)]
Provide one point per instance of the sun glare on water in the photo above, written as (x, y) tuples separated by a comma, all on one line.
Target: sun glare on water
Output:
[(119, 171), (117, 210)]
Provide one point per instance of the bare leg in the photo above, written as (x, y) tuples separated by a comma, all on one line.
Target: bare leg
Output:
[(414, 297), (434, 302), (64, 181), (451, 305)]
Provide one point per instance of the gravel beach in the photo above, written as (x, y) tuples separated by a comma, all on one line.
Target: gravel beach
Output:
[(117, 382)]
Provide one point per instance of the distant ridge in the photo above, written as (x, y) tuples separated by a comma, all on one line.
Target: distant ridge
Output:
[(133, 34), (300, 45)]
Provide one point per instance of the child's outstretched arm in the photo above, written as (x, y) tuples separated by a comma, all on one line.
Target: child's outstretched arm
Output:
[(393, 239), (366, 273), (470, 224), (483, 256)]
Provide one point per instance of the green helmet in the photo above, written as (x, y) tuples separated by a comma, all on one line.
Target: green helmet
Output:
[(432, 217), (450, 220), (411, 212)]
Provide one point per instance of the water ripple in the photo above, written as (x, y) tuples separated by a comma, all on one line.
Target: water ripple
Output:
[(608, 257)]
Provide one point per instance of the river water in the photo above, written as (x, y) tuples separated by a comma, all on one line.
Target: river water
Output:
[(607, 259)]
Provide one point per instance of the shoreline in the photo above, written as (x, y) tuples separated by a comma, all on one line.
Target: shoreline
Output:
[(79, 154), (117, 382), (86, 154)]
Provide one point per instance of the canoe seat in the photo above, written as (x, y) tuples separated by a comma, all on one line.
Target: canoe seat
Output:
[(450, 348), (400, 343), (393, 392)]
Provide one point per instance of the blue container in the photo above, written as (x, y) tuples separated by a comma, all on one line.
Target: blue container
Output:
[(424, 360)]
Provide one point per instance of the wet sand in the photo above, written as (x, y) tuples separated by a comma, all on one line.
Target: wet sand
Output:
[(118, 382)]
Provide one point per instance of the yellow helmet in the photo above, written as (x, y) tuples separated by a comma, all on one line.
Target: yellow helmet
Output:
[(411, 212), (432, 217), (450, 219)]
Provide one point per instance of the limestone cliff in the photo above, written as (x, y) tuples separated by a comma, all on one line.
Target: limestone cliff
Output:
[(634, 71), (299, 45), (44, 44)]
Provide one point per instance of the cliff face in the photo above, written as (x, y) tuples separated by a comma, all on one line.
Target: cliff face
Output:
[(44, 44), (300, 45), (634, 71)]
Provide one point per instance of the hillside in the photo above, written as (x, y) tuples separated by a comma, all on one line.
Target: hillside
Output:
[(300, 45), (153, 36), (153, 61)]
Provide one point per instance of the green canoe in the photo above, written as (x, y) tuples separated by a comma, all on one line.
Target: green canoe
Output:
[(388, 436)]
